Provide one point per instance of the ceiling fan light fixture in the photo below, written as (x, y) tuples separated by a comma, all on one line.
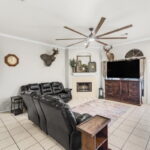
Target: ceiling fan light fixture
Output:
[(91, 39)]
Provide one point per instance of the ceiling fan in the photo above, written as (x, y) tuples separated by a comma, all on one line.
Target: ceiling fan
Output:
[(93, 37)]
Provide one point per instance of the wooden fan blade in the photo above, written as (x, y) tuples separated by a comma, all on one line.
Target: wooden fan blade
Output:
[(112, 38), (72, 39), (99, 25), (75, 43), (119, 29), (75, 31), (101, 42)]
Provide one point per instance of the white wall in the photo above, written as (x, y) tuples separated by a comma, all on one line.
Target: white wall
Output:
[(30, 69), (120, 52)]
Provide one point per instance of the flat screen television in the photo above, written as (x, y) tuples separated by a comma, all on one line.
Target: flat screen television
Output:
[(124, 69)]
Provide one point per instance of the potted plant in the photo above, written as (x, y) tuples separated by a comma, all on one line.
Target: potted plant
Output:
[(73, 64)]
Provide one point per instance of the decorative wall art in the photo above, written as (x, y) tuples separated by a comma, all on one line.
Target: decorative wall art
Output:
[(49, 59), (92, 66), (110, 56), (83, 64), (11, 60)]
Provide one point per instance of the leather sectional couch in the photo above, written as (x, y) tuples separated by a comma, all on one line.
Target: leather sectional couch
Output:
[(49, 88), (55, 118)]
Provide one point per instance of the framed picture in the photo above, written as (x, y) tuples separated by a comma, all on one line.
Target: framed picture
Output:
[(84, 59), (82, 63), (92, 66)]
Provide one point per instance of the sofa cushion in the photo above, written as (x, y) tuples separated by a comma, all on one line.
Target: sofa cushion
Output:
[(46, 88), (34, 88), (57, 87)]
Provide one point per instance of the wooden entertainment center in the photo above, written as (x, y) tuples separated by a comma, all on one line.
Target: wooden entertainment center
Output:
[(124, 80), (128, 91)]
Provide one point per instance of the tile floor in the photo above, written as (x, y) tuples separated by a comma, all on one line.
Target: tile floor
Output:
[(130, 132)]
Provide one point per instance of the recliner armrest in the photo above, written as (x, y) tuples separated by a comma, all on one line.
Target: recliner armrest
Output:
[(66, 90), (83, 118)]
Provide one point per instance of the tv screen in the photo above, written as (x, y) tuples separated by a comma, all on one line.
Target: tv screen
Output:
[(123, 69)]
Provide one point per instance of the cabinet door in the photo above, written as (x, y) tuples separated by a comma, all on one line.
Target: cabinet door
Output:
[(112, 89), (134, 91), (116, 89), (108, 89), (124, 90)]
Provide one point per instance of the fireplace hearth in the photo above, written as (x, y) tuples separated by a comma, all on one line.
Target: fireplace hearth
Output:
[(84, 86)]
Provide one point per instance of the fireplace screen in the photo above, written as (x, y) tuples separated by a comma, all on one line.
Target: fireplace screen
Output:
[(84, 87)]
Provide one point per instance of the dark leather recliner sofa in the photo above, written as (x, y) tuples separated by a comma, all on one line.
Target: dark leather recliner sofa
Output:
[(49, 88), (55, 118)]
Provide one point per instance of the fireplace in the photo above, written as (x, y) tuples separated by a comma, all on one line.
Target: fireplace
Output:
[(84, 86)]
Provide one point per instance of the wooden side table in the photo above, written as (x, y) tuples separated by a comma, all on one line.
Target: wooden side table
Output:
[(94, 133)]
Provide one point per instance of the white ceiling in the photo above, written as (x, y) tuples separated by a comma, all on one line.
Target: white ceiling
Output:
[(43, 20)]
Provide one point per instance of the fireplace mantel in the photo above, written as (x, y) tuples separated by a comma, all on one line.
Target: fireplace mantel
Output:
[(84, 74)]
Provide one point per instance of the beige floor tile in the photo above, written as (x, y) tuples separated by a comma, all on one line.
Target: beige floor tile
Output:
[(4, 135), (146, 119), (6, 142), (141, 133), (35, 147), (143, 127), (56, 147), (13, 125), (17, 130), (21, 136), (34, 130), (116, 141), (121, 133), (126, 128), (111, 130), (115, 124), (148, 146), (21, 117), (11, 121), (2, 129), (129, 123), (120, 120), (25, 121), (28, 125), (133, 119), (112, 147), (12, 147), (138, 141), (48, 143), (1, 124), (40, 136), (26, 143), (131, 146), (144, 122)]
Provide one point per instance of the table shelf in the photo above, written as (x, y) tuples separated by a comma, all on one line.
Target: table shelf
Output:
[(94, 133)]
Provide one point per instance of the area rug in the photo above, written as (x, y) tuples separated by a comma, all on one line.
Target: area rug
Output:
[(109, 109)]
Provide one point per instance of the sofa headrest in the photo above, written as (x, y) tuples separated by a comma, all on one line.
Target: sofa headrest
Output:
[(34, 87), (53, 101), (45, 85), (57, 87)]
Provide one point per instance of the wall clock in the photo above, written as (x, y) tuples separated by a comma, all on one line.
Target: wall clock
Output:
[(11, 60), (134, 53)]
